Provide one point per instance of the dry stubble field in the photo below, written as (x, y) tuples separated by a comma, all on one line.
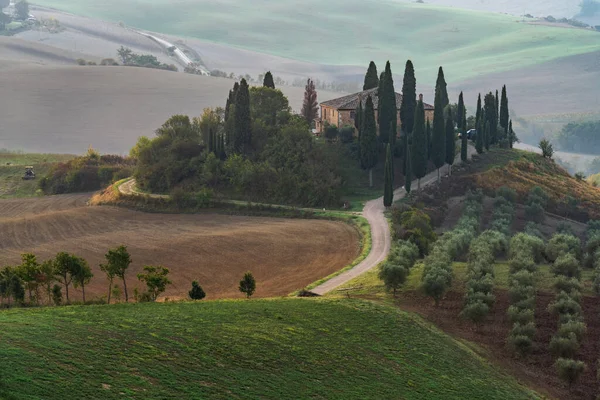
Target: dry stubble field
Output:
[(284, 255)]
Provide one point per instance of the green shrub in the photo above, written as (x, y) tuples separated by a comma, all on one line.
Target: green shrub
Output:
[(521, 316), (507, 193), (564, 346), (569, 370), (393, 276), (567, 265), (414, 226), (522, 264), (475, 311), (522, 278), (526, 246), (535, 212), (564, 304), (567, 285), (532, 229), (436, 282), (520, 344), (518, 293), (578, 328), (564, 228), (561, 244), (523, 329)]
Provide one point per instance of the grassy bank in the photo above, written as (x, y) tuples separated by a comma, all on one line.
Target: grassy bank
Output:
[(271, 349)]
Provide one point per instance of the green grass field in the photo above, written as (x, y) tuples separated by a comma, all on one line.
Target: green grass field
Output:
[(267, 349), (369, 284), (11, 184), (350, 32)]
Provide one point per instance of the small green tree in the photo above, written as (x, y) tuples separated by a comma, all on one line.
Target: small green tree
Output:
[(82, 276), (66, 267), (117, 263), (393, 276), (29, 271), (388, 191), (57, 295), (268, 81), (436, 281), (156, 280), (197, 293), (546, 147), (569, 370), (248, 284)]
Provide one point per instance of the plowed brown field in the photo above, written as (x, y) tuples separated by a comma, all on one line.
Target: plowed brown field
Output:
[(284, 255)]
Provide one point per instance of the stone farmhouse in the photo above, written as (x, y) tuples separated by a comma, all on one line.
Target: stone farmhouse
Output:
[(342, 111)]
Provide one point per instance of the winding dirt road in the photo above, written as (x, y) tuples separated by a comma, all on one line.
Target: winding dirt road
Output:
[(380, 234)]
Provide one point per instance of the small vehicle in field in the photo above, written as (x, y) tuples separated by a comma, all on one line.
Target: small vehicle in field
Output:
[(29, 174)]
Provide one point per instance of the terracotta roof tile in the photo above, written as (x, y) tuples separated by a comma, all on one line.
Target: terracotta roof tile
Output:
[(350, 102)]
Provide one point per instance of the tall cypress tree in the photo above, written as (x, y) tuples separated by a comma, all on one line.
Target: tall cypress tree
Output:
[(387, 108), (358, 118), (461, 112), (479, 139), (231, 99), (464, 142), (504, 112), (242, 137), (442, 87), (450, 143), (368, 140), (438, 137), (497, 103), (405, 144), (512, 138), (409, 99), (491, 117), (409, 174), (388, 190), (478, 113), (428, 134), (268, 81), (418, 149), (371, 77)]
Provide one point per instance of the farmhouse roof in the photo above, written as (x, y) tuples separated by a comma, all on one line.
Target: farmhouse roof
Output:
[(350, 102)]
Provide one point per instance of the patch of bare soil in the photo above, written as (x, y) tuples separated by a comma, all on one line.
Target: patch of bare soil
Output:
[(283, 254), (536, 370)]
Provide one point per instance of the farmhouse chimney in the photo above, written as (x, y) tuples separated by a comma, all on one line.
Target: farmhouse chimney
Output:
[(420, 96)]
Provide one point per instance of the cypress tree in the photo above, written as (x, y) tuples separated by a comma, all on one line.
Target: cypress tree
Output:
[(387, 108), (497, 99), (409, 175), (479, 139), (490, 116), (464, 142), (438, 137), (428, 135), (268, 81), (512, 138), (486, 136), (242, 137), (418, 151), (450, 143), (478, 113), (358, 118), (504, 111), (231, 99), (404, 152), (409, 99), (371, 78), (461, 112), (442, 87), (388, 191), (368, 140)]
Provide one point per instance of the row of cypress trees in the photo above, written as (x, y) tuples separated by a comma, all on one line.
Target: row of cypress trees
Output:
[(493, 123)]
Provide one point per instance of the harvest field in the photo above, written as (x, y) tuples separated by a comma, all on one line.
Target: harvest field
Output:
[(271, 349), (283, 254), (430, 35)]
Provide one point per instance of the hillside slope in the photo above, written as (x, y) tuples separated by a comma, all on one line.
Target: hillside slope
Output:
[(277, 349), (342, 32)]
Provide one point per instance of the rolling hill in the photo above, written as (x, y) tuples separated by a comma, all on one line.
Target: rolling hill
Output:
[(268, 349), (468, 43)]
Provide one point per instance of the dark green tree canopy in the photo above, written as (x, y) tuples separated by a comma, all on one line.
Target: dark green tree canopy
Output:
[(197, 293), (419, 143), (461, 113), (371, 78), (409, 99), (248, 284), (450, 141), (387, 108), (441, 86), (242, 134), (388, 192), (268, 80), (368, 139), (504, 116), (438, 139), (491, 117)]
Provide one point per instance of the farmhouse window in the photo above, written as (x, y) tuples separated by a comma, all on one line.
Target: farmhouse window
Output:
[(352, 114)]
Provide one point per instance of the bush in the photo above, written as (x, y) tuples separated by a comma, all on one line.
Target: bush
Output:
[(197, 293), (532, 229), (436, 282), (393, 276), (521, 344), (522, 264), (521, 316), (564, 346), (538, 195), (567, 285), (525, 329), (507, 193), (414, 226), (562, 244), (81, 61), (109, 62), (576, 327), (567, 266), (564, 228), (546, 147), (523, 278), (331, 133), (535, 212), (569, 370), (518, 293), (564, 304), (475, 311), (346, 134)]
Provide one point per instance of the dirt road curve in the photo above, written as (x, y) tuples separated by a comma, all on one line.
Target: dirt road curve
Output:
[(380, 235)]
